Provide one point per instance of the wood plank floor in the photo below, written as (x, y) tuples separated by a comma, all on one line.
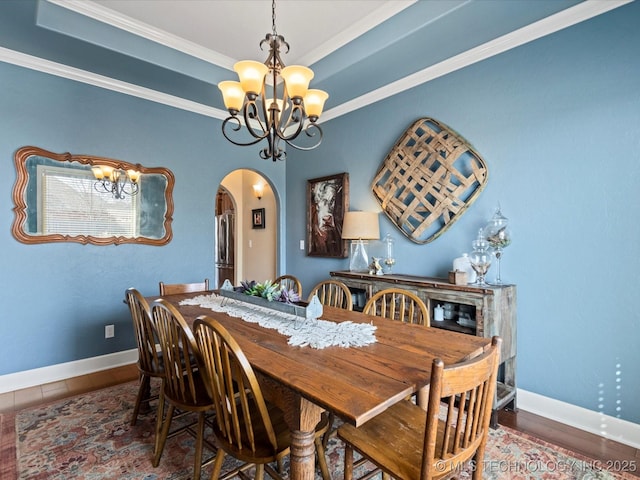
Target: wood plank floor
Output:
[(610, 453)]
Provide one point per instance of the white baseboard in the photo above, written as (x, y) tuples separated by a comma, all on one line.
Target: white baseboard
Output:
[(588, 420), (62, 371)]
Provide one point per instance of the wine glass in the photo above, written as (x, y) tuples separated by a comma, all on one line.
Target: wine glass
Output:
[(498, 238)]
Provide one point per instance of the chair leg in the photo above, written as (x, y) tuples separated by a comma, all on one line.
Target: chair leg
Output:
[(479, 459), (217, 464), (145, 385), (348, 462), (259, 471), (199, 440), (322, 459), (159, 418), (161, 436), (330, 430)]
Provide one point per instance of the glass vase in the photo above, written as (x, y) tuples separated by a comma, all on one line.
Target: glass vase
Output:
[(498, 237)]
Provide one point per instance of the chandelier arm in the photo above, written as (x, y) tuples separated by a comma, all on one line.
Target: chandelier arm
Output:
[(132, 190), (272, 150), (237, 128), (251, 115), (296, 116), (310, 131), (105, 184)]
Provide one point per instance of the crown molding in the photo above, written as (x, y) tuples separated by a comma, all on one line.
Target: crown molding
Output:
[(566, 18), (355, 30), (141, 29), (78, 75)]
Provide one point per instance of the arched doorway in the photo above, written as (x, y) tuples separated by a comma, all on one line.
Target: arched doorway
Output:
[(253, 246)]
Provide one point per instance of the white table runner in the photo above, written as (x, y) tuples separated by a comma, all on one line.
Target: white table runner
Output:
[(301, 332)]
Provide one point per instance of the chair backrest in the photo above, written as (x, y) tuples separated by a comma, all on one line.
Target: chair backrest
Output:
[(148, 359), (179, 352), (290, 283), (465, 391), (333, 293), (175, 288), (398, 304), (242, 420)]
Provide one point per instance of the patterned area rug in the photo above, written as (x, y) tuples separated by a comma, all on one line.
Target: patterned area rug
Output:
[(88, 437)]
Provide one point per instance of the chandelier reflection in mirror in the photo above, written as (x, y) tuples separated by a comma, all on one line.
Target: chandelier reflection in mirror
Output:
[(277, 112), (115, 181)]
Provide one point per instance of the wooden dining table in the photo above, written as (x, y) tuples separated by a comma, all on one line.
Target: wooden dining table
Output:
[(355, 383)]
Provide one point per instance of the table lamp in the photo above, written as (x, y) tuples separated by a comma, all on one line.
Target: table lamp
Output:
[(360, 227)]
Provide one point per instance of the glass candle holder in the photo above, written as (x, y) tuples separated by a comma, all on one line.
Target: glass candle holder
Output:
[(480, 258), (390, 259)]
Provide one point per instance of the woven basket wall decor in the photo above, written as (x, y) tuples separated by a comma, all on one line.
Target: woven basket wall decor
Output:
[(428, 179)]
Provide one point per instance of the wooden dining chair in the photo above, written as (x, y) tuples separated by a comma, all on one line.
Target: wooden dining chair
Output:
[(183, 387), (246, 426), (150, 364), (290, 283), (398, 304), (408, 443), (333, 293), (176, 288)]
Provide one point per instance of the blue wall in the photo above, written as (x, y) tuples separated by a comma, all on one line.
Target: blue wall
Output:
[(557, 121), (58, 297)]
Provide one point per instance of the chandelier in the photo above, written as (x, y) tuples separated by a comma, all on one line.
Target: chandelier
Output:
[(116, 181), (278, 112)]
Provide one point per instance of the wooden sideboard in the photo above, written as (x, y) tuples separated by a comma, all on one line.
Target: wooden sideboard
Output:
[(492, 307)]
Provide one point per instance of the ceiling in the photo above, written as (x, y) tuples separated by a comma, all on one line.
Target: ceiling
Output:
[(234, 28), (361, 51)]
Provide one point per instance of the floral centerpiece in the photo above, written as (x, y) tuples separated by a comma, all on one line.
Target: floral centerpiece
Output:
[(269, 290), (271, 295)]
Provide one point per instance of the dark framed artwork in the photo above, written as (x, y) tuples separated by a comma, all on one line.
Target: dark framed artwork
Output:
[(327, 202), (257, 218)]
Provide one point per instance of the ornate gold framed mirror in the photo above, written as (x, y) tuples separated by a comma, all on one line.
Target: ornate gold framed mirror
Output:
[(60, 197)]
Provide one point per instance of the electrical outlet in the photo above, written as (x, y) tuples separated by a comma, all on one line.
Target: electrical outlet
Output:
[(109, 331), (301, 244)]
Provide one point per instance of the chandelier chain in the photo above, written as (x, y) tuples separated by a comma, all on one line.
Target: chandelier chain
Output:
[(273, 18)]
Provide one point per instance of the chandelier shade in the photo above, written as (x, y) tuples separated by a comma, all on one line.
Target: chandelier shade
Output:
[(272, 102), (296, 78), (314, 102), (251, 75)]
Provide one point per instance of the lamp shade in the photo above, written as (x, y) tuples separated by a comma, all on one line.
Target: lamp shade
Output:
[(296, 79), (232, 94), (251, 74), (360, 225), (314, 102)]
